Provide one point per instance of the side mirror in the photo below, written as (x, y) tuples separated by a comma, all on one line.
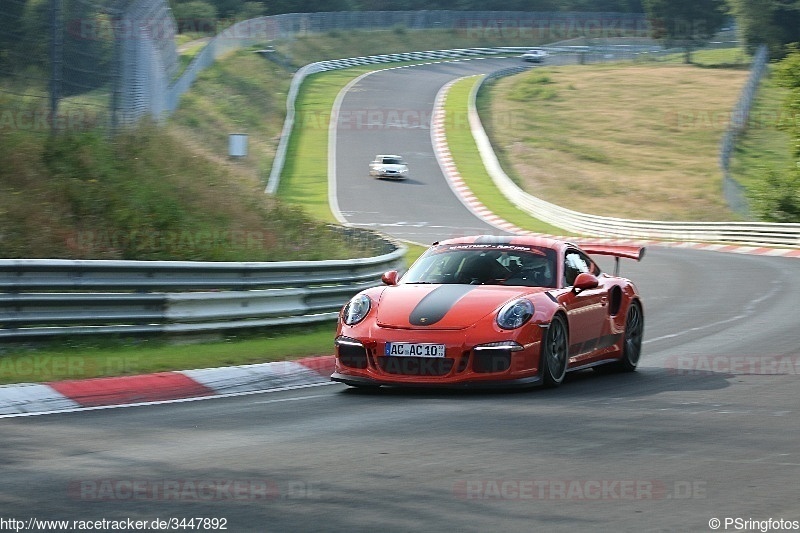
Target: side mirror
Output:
[(585, 281), (390, 278)]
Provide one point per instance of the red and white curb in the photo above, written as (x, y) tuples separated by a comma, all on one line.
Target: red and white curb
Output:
[(464, 193), (162, 387), (450, 170)]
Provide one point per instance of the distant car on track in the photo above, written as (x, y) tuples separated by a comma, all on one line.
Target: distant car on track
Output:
[(534, 55), (388, 166), (492, 311)]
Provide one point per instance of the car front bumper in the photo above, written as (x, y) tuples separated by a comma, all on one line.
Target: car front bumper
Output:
[(483, 365), (357, 381)]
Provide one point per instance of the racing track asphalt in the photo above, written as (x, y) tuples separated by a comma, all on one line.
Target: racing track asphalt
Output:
[(389, 112), (708, 428)]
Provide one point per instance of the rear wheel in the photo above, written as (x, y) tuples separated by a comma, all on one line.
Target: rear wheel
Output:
[(634, 331), (554, 353)]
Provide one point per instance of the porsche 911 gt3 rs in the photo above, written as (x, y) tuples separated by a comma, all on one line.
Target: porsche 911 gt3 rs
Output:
[(492, 311)]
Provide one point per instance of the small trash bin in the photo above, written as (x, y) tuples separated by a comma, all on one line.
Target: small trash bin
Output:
[(237, 145)]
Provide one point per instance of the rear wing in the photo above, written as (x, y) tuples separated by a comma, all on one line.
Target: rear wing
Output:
[(617, 251)]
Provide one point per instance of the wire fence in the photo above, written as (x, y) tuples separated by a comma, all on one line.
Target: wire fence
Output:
[(75, 64), (70, 65), (147, 59), (735, 194)]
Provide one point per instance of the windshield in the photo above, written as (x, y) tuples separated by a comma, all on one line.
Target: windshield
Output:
[(469, 264), (393, 161)]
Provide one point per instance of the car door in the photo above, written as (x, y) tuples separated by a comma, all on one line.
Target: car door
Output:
[(587, 310)]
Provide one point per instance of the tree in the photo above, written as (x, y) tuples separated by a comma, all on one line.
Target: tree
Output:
[(250, 10), (11, 12), (685, 23), (777, 198), (787, 74), (228, 8), (775, 23), (196, 16), (274, 7), (87, 57), (35, 34)]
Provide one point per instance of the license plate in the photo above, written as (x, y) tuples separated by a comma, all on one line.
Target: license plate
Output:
[(408, 349)]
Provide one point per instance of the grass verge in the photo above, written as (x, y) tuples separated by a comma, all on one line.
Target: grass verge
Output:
[(85, 359), (470, 165), (622, 140), (142, 196), (304, 181), (242, 93)]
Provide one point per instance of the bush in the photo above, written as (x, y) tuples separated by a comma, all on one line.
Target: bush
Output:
[(533, 87), (196, 16), (141, 195), (777, 197)]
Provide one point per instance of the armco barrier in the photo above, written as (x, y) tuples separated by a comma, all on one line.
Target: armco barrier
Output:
[(752, 233), (45, 297)]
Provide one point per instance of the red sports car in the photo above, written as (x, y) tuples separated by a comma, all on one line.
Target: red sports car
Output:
[(492, 311)]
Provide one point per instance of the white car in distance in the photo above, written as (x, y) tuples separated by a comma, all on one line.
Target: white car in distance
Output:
[(388, 166), (534, 55)]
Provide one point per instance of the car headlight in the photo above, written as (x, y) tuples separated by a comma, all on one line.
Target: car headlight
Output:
[(515, 314), (356, 309)]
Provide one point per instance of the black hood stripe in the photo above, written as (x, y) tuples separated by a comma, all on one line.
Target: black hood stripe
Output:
[(432, 308)]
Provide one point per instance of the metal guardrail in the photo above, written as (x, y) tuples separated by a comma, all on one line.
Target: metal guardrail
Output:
[(45, 297), (751, 233)]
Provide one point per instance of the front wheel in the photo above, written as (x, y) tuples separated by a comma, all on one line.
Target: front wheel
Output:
[(555, 353)]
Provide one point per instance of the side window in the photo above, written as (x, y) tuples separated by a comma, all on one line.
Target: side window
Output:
[(593, 268), (576, 263)]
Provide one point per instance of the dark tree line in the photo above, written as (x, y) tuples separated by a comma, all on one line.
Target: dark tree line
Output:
[(775, 23), (230, 8), (777, 197), (685, 23), (689, 22), (25, 35)]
